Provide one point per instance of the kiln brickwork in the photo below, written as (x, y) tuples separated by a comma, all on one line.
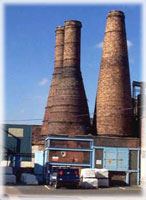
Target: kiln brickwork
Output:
[(58, 65), (69, 114), (113, 103)]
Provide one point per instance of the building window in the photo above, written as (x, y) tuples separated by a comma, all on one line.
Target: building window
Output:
[(17, 132)]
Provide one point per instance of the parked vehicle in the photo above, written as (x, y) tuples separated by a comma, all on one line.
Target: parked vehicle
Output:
[(60, 177)]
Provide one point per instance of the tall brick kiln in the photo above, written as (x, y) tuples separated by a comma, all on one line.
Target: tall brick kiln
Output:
[(67, 110), (58, 65), (67, 113), (113, 101)]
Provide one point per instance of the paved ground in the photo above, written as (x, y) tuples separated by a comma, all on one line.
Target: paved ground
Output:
[(45, 192)]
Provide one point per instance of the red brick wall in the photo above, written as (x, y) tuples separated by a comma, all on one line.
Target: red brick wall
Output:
[(107, 141), (71, 156)]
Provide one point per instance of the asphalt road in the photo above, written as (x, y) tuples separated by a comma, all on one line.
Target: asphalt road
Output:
[(45, 192)]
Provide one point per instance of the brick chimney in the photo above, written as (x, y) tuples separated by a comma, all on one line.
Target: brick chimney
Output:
[(69, 113), (113, 101), (58, 65)]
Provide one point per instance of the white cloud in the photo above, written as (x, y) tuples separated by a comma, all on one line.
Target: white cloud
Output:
[(43, 82), (129, 43), (99, 45)]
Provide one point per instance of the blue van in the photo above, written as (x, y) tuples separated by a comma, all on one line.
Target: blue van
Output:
[(64, 177)]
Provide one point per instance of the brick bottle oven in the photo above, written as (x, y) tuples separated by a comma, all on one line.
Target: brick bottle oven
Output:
[(58, 65), (69, 113), (113, 102)]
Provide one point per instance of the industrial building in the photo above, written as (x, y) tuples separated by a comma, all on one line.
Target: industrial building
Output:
[(20, 143), (67, 137)]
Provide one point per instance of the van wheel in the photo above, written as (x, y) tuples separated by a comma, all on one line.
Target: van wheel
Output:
[(56, 186), (51, 184)]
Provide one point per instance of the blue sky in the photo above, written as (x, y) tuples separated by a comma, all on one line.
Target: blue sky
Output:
[(29, 52)]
